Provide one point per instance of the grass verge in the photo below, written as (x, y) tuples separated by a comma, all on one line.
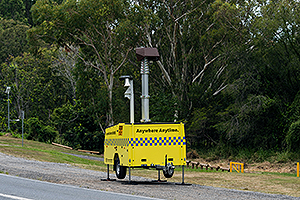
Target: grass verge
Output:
[(275, 183)]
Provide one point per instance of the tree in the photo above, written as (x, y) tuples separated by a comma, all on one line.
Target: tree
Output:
[(34, 86), (12, 9), (65, 65), (77, 127), (12, 39), (90, 25), (194, 42)]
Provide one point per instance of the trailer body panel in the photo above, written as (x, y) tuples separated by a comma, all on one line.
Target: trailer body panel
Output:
[(145, 145)]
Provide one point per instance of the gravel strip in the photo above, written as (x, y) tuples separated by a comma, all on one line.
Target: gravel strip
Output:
[(85, 157), (67, 174)]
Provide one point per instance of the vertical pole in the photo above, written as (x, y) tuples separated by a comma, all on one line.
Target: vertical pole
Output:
[(242, 168), (131, 103), (297, 169), (129, 175), (182, 174), (22, 116), (145, 96), (8, 112), (158, 175), (230, 167), (107, 171)]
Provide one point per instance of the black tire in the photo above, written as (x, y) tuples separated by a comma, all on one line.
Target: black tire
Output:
[(168, 173), (120, 170)]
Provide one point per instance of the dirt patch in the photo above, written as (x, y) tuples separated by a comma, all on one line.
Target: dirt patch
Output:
[(266, 166), (273, 167)]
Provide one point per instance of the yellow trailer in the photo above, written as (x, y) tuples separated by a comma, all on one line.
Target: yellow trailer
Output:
[(147, 145), (151, 145)]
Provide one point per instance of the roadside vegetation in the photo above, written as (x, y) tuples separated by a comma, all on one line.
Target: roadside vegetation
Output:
[(258, 180), (228, 69)]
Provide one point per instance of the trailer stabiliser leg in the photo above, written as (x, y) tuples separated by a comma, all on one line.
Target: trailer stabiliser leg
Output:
[(183, 183), (107, 179), (158, 177), (129, 175), (129, 181)]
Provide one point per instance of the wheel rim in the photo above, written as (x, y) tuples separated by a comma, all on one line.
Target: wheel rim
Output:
[(171, 171), (168, 171), (118, 167)]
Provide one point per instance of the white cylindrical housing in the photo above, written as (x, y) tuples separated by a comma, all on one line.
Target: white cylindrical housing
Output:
[(145, 85), (131, 102)]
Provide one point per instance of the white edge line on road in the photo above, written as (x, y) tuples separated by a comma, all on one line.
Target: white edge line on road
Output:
[(13, 197), (73, 186)]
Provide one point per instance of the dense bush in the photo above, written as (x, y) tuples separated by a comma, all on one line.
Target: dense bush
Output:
[(37, 131), (293, 137)]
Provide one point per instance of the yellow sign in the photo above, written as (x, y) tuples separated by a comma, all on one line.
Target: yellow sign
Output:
[(238, 167), (120, 130)]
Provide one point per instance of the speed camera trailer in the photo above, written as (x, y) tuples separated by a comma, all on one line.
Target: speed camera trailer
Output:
[(144, 144)]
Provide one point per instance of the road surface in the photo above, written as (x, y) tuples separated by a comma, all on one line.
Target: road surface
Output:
[(16, 188)]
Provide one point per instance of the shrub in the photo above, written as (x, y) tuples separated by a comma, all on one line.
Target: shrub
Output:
[(293, 137), (37, 131)]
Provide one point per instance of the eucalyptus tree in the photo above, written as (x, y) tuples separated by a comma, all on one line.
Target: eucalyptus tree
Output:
[(34, 86), (268, 81), (65, 65), (195, 40), (12, 39), (90, 25), (13, 9)]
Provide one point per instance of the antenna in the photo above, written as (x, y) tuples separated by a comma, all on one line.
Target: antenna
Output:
[(145, 55)]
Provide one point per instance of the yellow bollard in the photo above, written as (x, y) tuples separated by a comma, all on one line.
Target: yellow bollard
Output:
[(297, 169)]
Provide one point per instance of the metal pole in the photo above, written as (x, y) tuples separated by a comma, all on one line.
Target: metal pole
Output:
[(145, 96), (8, 113), (22, 116), (182, 174), (131, 103), (158, 175), (129, 175), (107, 171)]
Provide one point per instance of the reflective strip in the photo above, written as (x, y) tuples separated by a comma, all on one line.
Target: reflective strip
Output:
[(147, 141), (116, 142)]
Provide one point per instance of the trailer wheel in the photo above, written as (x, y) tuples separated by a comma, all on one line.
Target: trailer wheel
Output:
[(120, 170), (168, 171)]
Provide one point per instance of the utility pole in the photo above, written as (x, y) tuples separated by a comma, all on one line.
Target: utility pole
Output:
[(22, 116), (7, 91)]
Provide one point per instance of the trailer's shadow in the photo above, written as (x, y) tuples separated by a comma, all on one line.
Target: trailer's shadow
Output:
[(154, 182)]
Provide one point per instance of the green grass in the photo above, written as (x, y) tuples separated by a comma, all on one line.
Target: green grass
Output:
[(45, 152), (268, 182), (248, 155)]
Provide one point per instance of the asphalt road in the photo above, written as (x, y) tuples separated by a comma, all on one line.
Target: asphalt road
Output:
[(17, 188)]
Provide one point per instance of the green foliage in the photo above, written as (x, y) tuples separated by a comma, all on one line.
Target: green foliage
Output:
[(256, 123), (34, 87), (163, 108), (12, 9), (77, 128), (227, 69), (39, 132), (12, 39), (293, 137)]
